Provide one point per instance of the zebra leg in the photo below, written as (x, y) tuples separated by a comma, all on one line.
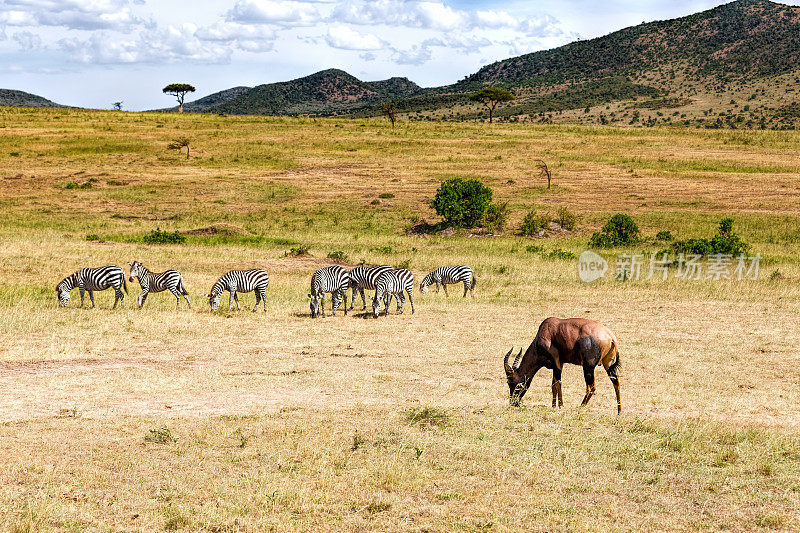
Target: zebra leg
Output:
[(444, 287), (466, 287), (236, 299), (344, 295), (322, 304), (411, 301), (258, 299), (230, 299), (80, 289), (264, 299), (177, 296), (186, 297), (91, 297), (387, 300), (142, 297), (401, 302), (363, 298)]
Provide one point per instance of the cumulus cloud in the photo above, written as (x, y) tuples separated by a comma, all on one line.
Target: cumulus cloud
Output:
[(348, 39), (283, 12), (169, 45), (27, 41), (72, 14), (416, 55), (249, 38)]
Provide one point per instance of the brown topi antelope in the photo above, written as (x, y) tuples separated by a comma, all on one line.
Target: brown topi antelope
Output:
[(572, 340)]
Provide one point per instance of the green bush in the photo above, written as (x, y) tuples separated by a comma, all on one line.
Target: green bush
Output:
[(462, 203), (162, 237), (620, 230), (381, 249), (496, 217), (558, 253), (726, 241), (93, 237), (533, 224), (664, 235), (338, 255), (566, 219), (386, 195), (301, 249)]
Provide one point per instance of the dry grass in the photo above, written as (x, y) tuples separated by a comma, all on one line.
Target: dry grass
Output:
[(166, 419)]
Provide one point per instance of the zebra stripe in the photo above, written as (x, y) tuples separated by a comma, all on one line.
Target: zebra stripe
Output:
[(363, 278), (448, 275), (332, 279), (158, 282), (93, 279), (393, 283), (235, 281)]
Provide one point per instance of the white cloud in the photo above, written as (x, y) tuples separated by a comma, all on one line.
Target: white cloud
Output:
[(348, 39), (283, 12), (249, 38), (71, 14), (27, 41), (416, 55), (170, 45)]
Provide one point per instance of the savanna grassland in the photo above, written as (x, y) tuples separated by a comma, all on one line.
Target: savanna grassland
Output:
[(237, 421)]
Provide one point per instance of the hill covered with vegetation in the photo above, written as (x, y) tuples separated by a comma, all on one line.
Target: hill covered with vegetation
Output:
[(734, 66), (12, 98)]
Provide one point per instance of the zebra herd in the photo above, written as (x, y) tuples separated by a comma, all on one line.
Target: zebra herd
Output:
[(387, 282)]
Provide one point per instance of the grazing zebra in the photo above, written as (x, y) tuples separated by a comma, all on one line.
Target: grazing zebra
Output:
[(255, 280), (332, 279), (393, 283), (450, 274), (93, 279), (364, 278), (154, 282)]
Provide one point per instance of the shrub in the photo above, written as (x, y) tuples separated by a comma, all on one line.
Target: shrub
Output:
[(427, 416), (403, 264), (462, 203), (93, 237), (534, 224), (162, 435), (566, 219), (162, 237), (496, 217), (620, 230), (558, 253), (71, 185), (664, 235), (386, 195), (534, 249), (726, 241), (382, 249), (301, 249), (338, 255)]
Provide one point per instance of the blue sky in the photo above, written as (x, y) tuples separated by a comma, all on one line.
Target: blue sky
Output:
[(91, 53)]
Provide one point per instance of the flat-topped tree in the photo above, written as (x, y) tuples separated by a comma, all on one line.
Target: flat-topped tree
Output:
[(490, 97), (178, 90)]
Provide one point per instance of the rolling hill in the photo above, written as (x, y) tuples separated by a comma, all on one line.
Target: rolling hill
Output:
[(12, 98), (737, 65)]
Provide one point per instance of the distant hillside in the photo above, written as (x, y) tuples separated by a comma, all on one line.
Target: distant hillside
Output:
[(12, 98), (327, 92), (737, 65)]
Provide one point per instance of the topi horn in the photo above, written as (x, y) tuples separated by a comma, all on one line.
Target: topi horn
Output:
[(508, 368), (515, 366)]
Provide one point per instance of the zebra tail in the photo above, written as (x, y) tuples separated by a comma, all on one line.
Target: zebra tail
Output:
[(182, 288), (124, 284), (474, 281)]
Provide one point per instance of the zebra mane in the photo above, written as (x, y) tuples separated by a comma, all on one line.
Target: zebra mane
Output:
[(427, 280), (217, 288), (69, 282)]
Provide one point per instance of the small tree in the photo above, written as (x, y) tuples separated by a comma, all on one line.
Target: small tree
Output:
[(544, 172), (490, 97), (178, 90), (390, 111), (462, 203), (117, 106), (177, 144)]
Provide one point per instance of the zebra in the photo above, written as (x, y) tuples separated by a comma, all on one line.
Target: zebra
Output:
[(332, 279), (235, 281), (364, 278), (154, 282), (450, 274), (93, 279), (393, 283)]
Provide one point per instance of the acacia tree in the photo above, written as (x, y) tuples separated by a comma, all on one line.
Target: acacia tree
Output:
[(117, 106), (178, 90), (544, 172), (490, 97), (180, 142), (390, 111)]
